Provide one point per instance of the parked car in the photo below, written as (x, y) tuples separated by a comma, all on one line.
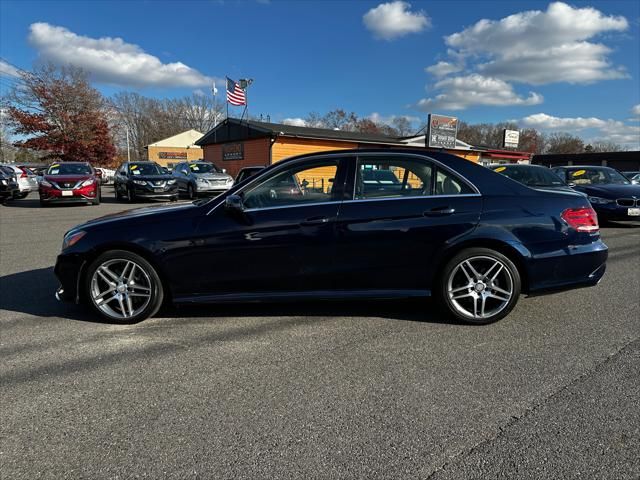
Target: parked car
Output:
[(27, 181), (69, 182), (634, 176), (144, 180), (106, 175), (612, 195), (533, 176), (475, 247), (247, 172), (198, 178), (8, 184)]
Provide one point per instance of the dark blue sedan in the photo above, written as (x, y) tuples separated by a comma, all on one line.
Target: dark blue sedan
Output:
[(361, 224), (612, 195)]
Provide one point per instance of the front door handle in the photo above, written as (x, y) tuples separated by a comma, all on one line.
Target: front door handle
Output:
[(309, 222), (439, 212)]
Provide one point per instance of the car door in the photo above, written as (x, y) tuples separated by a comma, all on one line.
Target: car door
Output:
[(120, 180), (389, 232), (281, 240)]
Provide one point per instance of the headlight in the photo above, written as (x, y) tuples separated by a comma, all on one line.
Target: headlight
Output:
[(3, 182), (600, 200), (44, 183), (71, 238), (229, 180), (139, 182), (171, 182), (86, 183), (201, 180)]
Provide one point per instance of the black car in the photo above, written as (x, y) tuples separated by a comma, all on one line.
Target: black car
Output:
[(144, 180), (612, 195), (8, 185), (533, 176), (455, 230)]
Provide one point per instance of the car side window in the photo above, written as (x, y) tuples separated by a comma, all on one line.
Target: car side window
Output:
[(449, 184), (297, 185), (391, 177)]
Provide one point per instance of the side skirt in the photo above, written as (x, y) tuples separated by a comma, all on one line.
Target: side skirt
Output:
[(300, 296)]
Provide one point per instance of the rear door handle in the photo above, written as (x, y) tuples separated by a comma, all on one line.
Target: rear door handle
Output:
[(439, 212), (309, 222)]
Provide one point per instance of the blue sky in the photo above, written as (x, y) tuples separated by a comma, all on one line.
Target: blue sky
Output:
[(555, 66)]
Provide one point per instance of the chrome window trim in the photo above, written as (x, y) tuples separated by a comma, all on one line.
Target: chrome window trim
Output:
[(355, 153), (310, 204)]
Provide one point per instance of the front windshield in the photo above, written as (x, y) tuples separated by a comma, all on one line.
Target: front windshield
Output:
[(531, 176), (204, 168), (69, 169), (596, 176), (146, 169)]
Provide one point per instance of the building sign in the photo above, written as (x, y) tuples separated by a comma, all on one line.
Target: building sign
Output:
[(172, 155), (511, 138), (233, 151), (442, 131)]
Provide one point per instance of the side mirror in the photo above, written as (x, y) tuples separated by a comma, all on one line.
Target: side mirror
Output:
[(234, 203)]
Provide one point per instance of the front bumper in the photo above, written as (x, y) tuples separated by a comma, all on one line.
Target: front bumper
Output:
[(157, 193), (68, 270), (614, 212), (215, 188), (79, 195)]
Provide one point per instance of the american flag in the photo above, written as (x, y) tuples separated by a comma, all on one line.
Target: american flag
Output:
[(235, 94)]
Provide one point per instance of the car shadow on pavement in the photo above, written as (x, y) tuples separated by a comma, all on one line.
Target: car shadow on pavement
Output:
[(32, 293)]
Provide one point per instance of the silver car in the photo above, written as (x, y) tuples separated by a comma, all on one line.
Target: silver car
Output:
[(201, 178), (27, 180)]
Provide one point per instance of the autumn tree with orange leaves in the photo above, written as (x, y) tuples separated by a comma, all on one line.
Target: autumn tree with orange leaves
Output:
[(60, 114)]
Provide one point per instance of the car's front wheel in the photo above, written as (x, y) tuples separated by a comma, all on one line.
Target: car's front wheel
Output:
[(123, 287), (480, 286)]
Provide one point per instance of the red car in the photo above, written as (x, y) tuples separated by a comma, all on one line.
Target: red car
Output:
[(70, 182)]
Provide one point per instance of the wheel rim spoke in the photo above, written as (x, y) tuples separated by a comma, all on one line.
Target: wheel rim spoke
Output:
[(121, 295), (478, 295)]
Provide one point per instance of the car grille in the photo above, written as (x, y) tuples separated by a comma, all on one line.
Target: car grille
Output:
[(158, 183), (628, 202), (66, 185)]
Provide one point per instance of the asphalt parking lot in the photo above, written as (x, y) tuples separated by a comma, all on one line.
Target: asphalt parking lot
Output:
[(314, 390)]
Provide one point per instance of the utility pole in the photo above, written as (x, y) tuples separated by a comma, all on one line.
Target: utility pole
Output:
[(128, 148)]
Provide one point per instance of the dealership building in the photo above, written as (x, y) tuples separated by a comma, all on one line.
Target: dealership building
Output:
[(179, 148), (235, 144)]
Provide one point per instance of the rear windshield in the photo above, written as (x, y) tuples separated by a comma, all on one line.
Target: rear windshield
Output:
[(530, 176), (69, 169), (204, 168), (145, 169), (596, 176)]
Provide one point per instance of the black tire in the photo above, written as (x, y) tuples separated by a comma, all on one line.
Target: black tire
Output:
[(96, 201), (131, 196), (174, 198), (118, 195), (191, 194), (509, 280), (20, 196), (156, 291)]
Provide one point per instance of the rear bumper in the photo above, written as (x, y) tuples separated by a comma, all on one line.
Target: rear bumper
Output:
[(574, 267)]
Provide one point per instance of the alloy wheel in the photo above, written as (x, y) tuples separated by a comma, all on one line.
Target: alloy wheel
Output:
[(480, 287), (120, 288)]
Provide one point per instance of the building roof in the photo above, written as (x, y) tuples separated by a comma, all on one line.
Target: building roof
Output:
[(232, 130), (186, 139)]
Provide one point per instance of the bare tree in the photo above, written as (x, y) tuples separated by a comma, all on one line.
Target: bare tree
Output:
[(603, 146), (564, 143)]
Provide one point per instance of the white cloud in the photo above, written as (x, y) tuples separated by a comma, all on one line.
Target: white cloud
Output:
[(636, 110), (7, 70), (111, 60), (296, 122), (602, 130), (375, 117), (394, 19), (539, 47), (442, 69), (459, 93)]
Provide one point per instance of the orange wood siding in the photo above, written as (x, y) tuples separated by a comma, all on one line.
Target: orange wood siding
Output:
[(153, 154), (256, 153), (285, 147)]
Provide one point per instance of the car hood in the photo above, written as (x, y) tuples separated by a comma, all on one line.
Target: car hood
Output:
[(152, 178), (212, 176), (611, 191), (67, 178), (151, 213)]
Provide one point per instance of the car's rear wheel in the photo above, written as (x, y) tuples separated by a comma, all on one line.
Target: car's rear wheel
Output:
[(480, 286), (123, 287)]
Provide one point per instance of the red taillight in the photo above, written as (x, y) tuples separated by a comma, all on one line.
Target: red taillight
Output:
[(24, 172), (581, 219)]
